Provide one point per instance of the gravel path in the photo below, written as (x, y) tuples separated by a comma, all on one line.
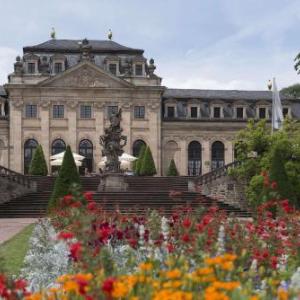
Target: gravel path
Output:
[(10, 227)]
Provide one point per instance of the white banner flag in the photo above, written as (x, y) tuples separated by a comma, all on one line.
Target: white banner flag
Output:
[(277, 116)]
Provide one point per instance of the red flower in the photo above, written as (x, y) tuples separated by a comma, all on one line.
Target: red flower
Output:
[(92, 206), (88, 196), (68, 199), (186, 238), (20, 284), (65, 235), (170, 248), (76, 204), (108, 285), (274, 262), (186, 223), (265, 254), (76, 250), (132, 242), (274, 185)]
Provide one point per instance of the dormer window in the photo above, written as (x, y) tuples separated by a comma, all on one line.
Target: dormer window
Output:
[(31, 68), (112, 69), (138, 70), (262, 113), (286, 112), (240, 112), (217, 112), (170, 111), (58, 68), (194, 112)]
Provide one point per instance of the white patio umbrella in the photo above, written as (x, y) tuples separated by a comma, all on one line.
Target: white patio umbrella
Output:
[(58, 162), (123, 157), (61, 156)]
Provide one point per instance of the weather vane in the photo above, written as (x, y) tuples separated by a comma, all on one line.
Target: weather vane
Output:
[(109, 35), (53, 33)]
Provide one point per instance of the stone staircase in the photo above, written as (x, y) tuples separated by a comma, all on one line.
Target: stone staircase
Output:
[(162, 193)]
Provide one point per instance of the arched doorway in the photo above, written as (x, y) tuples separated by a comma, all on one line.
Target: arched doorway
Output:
[(58, 146), (86, 150), (217, 155), (194, 158), (171, 151), (29, 149), (137, 145)]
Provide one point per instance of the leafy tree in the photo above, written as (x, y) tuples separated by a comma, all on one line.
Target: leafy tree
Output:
[(292, 90), (38, 165), (172, 171), (68, 176), (138, 162), (147, 166)]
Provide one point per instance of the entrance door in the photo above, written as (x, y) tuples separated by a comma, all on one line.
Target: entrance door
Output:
[(194, 159)]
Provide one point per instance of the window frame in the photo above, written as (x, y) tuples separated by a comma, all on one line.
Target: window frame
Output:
[(142, 69), (139, 112), (109, 70), (83, 111), (243, 112), (34, 64), (31, 115), (174, 111), (58, 115), (58, 63), (220, 112), (288, 114), (197, 112)]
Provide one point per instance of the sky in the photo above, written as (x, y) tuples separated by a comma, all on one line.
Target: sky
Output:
[(200, 44)]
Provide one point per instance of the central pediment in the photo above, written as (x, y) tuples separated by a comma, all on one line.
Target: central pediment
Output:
[(85, 75)]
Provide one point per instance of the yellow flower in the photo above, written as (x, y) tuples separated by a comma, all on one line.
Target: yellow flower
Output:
[(71, 286), (282, 294), (36, 296), (119, 289), (173, 274), (83, 277), (146, 266)]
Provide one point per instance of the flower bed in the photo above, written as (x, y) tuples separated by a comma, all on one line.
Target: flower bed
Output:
[(190, 255)]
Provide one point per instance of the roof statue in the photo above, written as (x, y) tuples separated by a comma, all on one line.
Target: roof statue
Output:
[(109, 35), (53, 33)]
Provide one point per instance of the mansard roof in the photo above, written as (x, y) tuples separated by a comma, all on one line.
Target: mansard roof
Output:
[(221, 94), (73, 46)]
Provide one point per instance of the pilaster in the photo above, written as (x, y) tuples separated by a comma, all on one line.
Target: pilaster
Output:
[(45, 129), (228, 152), (206, 156), (72, 126), (99, 124)]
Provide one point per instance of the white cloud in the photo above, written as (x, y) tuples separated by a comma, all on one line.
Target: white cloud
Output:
[(7, 58)]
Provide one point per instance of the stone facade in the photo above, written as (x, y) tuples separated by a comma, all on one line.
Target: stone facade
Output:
[(65, 89)]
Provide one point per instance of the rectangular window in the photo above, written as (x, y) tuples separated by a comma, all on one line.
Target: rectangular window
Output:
[(139, 112), (85, 111), (138, 69), (58, 111), (194, 112), (31, 111), (240, 113), (113, 68), (112, 110), (217, 112), (285, 112), (31, 68), (262, 113), (57, 68), (171, 112)]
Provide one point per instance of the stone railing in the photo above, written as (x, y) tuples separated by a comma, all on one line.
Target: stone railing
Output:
[(217, 173), (18, 178)]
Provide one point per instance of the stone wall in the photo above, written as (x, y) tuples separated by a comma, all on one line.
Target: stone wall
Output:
[(225, 188), (10, 190)]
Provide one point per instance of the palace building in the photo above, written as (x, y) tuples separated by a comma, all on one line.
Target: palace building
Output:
[(63, 91)]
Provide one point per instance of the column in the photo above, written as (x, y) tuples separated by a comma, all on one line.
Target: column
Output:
[(206, 156), (72, 127), (45, 129), (16, 138), (183, 157), (99, 124), (228, 152)]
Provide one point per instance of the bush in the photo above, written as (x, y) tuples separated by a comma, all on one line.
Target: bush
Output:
[(68, 177), (38, 165), (138, 162), (172, 171), (148, 166)]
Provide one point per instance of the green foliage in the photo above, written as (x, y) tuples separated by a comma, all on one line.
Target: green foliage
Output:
[(172, 171), (147, 166), (38, 165), (68, 176), (292, 90), (138, 162), (277, 153)]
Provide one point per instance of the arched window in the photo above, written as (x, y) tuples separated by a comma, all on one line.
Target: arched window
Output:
[(58, 146), (194, 158), (217, 155), (29, 148), (137, 145), (86, 150)]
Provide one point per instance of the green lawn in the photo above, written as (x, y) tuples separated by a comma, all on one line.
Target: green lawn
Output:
[(14, 250)]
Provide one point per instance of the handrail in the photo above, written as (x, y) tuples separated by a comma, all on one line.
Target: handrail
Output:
[(217, 173), (16, 177)]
